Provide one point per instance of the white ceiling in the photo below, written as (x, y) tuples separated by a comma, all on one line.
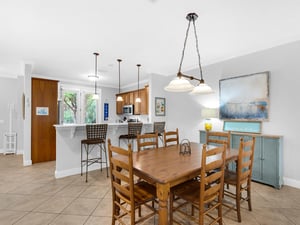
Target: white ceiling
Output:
[(58, 37)]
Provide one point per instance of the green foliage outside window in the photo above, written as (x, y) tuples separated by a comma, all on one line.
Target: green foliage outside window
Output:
[(90, 109), (70, 107)]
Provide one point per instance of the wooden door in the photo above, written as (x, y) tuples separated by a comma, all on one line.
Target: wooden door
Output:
[(43, 117)]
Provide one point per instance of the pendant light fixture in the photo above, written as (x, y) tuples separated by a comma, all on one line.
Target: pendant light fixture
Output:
[(180, 83), (119, 98), (96, 96), (138, 99)]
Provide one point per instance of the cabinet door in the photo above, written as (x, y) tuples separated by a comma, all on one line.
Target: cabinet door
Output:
[(270, 160)]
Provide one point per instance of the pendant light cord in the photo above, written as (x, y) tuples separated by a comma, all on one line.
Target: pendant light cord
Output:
[(184, 45), (119, 60), (96, 69), (138, 65), (198, 52)]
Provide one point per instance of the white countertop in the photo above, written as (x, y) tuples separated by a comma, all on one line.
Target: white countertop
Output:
[(83, 125)]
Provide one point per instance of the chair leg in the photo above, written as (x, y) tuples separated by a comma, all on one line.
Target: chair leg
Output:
[(238, 202), (249, 196), (81, 159), (87, 159), (105, 155)]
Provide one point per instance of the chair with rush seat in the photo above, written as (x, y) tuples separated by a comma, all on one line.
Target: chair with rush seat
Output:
[(134, 128), (128, 196), (171, 138), (241, 178), (96, 139), (205, 194)]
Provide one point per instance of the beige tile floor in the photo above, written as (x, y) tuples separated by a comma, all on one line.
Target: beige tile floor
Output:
[(31, 195)]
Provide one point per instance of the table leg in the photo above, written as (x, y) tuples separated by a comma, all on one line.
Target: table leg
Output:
[(163, 191)]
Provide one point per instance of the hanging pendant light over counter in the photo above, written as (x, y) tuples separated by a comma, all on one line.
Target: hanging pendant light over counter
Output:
[(180, 83), (96, 96), (119, 98), (138, 99)]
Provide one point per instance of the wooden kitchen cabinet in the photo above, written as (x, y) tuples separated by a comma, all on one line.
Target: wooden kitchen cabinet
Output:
[(267, 164), (129, 98)]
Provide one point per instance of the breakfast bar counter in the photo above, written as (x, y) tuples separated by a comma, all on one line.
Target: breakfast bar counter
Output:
[(68, 145)]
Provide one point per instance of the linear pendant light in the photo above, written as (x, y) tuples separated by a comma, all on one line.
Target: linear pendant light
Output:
[(119, 98), (180, 83)]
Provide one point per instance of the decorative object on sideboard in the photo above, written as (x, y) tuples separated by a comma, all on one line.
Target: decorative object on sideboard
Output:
[(95, 77), (185, 147), (119, 98), (138, 99), (180, 84), (208, 114)]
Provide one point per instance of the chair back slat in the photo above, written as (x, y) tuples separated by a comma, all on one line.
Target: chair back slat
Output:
[(171, 138), (147, 141), (218, 138)]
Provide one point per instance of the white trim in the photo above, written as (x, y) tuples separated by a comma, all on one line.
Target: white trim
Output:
[(291, 182), (27, 163)]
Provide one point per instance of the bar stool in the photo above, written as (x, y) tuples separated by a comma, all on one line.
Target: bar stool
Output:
[(134, 129), (158, 127), (96, 137)]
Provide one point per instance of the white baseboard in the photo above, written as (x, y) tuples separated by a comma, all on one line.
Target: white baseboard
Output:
[(291, 182), (75, 171), (27, 163)]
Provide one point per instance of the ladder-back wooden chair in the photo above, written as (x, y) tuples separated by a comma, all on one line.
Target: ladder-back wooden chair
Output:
[(147, 141), (171, 138), (128, 196), (241, 178), (205, 194)]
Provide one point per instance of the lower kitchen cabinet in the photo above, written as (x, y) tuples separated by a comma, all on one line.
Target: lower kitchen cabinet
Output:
[(267, 165)]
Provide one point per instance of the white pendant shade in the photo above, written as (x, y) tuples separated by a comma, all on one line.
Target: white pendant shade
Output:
[(138, 100), (119, 99), (95, 97), (202, 88), (179, 85)]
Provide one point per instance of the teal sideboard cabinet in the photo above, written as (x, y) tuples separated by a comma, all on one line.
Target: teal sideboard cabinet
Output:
[(267, 165)]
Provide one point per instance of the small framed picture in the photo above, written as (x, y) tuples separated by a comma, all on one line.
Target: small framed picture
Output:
[(160, 106)]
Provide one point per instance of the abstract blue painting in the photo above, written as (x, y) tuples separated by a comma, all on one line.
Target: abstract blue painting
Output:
[(245, 97)]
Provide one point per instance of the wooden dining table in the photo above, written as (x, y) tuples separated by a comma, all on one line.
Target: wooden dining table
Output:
[(164, 167)]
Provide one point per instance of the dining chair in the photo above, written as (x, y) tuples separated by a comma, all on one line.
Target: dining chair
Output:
[(128, 196), (147, 141), (218, 138), (158, 127), (134, 128), (171, 138), (95, 138), (241, 178), (205, 194)]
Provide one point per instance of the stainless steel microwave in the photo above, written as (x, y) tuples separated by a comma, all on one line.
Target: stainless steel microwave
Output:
[(128, 110)]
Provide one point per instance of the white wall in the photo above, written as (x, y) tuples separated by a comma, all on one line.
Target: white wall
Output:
[(11, 95), (184, 111)]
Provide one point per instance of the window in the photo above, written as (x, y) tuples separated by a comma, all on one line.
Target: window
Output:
[(78, 106)]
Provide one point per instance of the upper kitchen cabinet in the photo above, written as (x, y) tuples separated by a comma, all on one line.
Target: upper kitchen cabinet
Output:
[(141, 108), (129, 98)]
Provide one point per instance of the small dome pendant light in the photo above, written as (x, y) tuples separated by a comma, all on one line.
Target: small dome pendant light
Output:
[(119, 98), (138, 99)]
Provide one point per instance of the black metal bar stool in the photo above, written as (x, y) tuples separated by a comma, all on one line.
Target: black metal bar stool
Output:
[(96, 137), (159, 127), (134, 128)]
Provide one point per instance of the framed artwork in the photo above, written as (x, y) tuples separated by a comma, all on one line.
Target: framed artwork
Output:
[(160, 106), (243, 126), (42, 111), (245, 97)]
